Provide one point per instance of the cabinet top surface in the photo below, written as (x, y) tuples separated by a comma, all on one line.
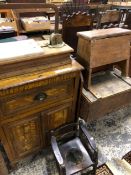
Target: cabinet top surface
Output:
[(39, 75), (104, 33), (43, 53)]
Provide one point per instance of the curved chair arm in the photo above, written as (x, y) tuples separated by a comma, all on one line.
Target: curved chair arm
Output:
[(56, 151), (87, 135)]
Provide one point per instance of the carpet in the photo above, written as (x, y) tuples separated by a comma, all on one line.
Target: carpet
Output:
[(103, 170), (121, 166), (114, 167), (127, 157), (46, 165)]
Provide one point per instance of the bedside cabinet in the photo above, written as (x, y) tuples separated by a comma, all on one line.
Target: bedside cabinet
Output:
[(33, 103)]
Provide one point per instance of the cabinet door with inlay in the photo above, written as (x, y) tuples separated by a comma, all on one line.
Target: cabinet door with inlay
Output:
[(24, 136), (55, 118)]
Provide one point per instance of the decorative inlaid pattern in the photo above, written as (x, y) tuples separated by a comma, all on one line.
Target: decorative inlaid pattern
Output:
[(24, 135), (103, 170), (112, 135), (26, 86), (127, 157)]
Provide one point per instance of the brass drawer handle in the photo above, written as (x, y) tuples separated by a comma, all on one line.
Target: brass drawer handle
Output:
[(41, 96)]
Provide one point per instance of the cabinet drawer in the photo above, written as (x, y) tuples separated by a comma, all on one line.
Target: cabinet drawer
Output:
[(39, 97)]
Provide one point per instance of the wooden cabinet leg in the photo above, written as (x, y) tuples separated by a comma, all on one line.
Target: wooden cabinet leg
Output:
[(125, 68), (89, 78), (3, 168)]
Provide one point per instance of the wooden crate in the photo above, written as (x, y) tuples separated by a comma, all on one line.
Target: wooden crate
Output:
[(36, 26), (104, 47), (108, 93), (10, 24)]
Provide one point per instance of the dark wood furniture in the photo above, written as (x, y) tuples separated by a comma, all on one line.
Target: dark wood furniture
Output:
[(95, 49), (128, 19), (126, 8), (74, 23), (74, 150), (109, 19), (75, 17), (68, 8), (36, 99)]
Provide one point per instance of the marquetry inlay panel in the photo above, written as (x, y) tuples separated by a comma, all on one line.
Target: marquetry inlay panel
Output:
[(26, 86), (24, 135), (58, 117)]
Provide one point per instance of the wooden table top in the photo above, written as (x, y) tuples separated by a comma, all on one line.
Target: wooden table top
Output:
[(103, 33)]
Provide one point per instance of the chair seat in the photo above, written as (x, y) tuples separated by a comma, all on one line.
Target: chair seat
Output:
[(75, 156)]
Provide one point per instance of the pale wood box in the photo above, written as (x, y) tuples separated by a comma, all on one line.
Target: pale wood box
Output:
[(30, 25), (104, 47), (9, 24)]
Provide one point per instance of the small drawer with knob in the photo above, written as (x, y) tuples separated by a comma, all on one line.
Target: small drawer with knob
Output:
[(41, 97)]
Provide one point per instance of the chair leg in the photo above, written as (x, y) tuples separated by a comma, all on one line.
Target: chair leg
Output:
[(62, 170), (94, 169)]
